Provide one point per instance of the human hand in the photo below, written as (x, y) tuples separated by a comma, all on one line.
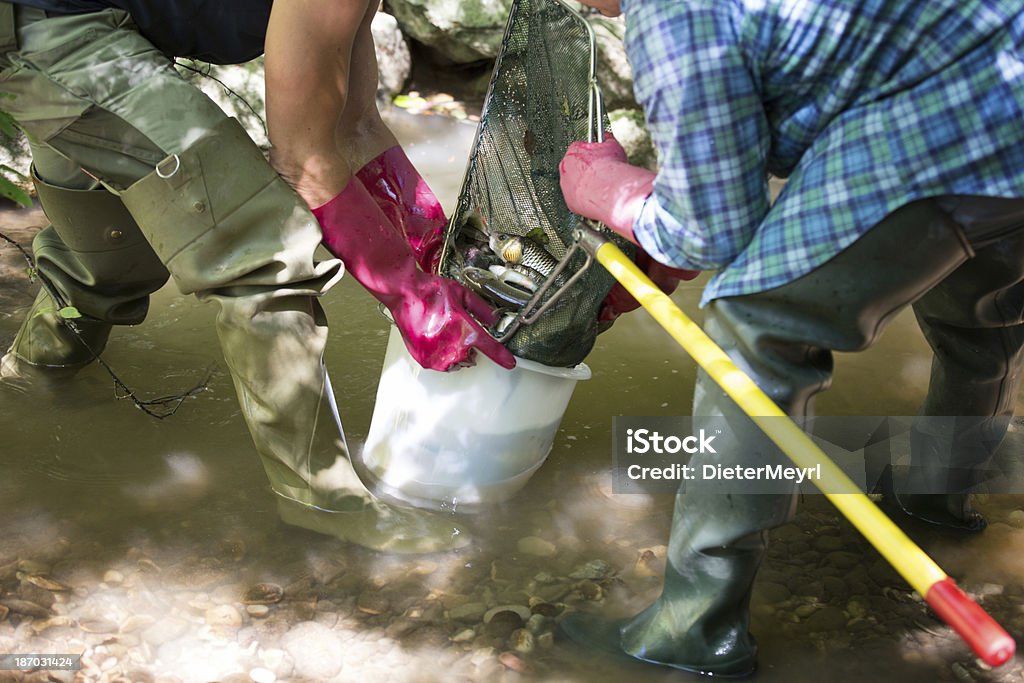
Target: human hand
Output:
[(439, 323), (599, 183)]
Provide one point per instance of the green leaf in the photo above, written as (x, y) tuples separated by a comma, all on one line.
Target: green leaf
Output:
[(70, 313), (409, 102), (7, 126), (538, 235), (14, 193)]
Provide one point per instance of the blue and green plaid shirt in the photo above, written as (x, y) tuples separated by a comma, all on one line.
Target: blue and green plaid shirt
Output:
[(864, 105)]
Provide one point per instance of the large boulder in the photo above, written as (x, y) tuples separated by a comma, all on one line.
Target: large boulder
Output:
[(462, 31), (394, 62), (471, 30)]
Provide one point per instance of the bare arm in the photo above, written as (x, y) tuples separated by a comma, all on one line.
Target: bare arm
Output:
[(321, 76)]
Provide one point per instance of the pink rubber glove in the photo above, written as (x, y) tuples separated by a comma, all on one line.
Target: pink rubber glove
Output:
[(433, 314), (597, 182), (408, 202)]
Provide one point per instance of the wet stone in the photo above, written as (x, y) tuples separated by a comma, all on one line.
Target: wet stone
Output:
[(811, 589), (372, 602), (828, 618), (797, 547), (595, 570), (772, 593), (989, 589), (1016, 518), (835, 588), (42, 582), (882, 573), (857, 587), (261, 675), (97, 624), (858, 626), (804, 611), (547, 609), (257, 611), (470, 611), (27, 608), (522, 610), (113, 577), (647, 564), (136, 622), (589, 590), (164, 630), (808, 559), (827, 544), (40, 596), (521, 640), (511, 660), (843, 559), (961, 673), (315, 649), (503, 624), (28, 567), (464, 636), (536, 622), (536, 546), (223, 615), (789, 533)]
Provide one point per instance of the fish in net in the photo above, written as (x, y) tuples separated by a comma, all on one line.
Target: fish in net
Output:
[(511, 230)]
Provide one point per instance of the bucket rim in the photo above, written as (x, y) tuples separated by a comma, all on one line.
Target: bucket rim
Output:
[(577, 373)]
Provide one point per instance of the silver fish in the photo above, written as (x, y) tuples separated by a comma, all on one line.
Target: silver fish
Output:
[(510, 275), (518, 250), (487, 285)]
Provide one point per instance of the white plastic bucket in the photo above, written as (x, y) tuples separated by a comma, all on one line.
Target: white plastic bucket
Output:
[(467, 437)]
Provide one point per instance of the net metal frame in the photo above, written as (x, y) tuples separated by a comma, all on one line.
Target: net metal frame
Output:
[(543, 95)]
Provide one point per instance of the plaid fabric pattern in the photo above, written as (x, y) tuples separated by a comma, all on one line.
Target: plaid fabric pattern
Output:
[(864, 105)]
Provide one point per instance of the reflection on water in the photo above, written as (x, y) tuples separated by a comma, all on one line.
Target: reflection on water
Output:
[(163, 531)]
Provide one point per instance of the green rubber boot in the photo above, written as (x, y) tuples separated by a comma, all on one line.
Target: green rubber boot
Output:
[(96, 260), (232, 231), (47, 343)]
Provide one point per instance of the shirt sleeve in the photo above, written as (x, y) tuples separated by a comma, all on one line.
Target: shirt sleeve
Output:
[(709, 127)]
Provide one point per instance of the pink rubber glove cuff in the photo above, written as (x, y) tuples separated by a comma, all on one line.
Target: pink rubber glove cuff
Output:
[(408, 202), (434, 314)]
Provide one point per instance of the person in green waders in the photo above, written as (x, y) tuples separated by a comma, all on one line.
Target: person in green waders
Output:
[(142, 177), (900, 128)]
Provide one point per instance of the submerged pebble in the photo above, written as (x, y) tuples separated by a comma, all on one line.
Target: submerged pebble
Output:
[(263, 594), (536, 546)]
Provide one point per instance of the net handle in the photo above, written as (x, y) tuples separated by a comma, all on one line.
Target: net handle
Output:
[(595, 105)]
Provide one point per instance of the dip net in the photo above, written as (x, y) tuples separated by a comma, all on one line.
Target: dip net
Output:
[(511, 235)]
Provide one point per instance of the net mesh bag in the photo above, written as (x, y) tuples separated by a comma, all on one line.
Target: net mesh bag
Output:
[(511, 224)]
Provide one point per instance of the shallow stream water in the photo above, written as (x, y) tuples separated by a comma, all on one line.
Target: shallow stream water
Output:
[(160, 529)]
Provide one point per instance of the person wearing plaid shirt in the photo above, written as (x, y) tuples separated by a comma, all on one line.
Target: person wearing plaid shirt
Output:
[(899, 126)]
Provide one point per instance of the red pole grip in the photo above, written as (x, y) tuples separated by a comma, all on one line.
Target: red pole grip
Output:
[(987, 638)]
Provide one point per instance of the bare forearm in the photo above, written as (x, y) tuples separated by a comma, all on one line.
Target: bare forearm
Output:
[(308, 64)]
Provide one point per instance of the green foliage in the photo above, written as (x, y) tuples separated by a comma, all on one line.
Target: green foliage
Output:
[(8, 176)]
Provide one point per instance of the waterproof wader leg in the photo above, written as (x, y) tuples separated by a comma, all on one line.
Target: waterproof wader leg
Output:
[(783, 338), (232, 231), (974, 322), (95, 258)]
